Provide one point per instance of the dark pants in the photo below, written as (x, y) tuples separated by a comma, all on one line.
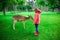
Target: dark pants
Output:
[(36, 25)]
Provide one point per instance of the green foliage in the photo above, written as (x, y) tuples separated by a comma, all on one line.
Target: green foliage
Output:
[(13, 2), (53, 3), (21, 2), (0, 6), (28, 7), (41, 2)]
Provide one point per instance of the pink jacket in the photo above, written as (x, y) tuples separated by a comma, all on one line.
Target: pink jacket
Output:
[(37, 17)]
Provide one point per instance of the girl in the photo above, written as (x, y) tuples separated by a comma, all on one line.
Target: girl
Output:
[(37, 20)]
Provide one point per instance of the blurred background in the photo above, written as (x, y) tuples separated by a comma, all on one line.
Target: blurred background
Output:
[(29, 5)]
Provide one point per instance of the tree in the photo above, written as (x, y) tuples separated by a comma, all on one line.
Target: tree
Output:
[(30, 5), (5, 3), (40, 3), (52, 4), (14, 3), (58, 4), (0, 6), (21, 4)]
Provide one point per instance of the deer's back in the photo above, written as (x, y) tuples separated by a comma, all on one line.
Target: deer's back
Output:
[(19, 17)]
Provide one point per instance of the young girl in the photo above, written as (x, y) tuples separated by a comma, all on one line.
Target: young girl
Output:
[(37, 20)]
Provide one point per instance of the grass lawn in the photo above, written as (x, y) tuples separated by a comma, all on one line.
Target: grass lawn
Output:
[(49, 27)]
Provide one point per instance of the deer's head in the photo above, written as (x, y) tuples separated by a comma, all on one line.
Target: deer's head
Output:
[(30, 17)]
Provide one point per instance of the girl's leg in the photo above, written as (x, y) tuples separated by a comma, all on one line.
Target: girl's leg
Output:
[(36, 25), (36, 33)]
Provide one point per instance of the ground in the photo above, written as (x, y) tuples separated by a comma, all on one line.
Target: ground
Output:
[(49, 27)]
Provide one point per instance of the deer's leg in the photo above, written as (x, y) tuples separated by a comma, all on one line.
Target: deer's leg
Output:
[(14, 22), (24, 24)]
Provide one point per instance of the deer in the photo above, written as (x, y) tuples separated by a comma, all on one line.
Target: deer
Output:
[(18, 18)]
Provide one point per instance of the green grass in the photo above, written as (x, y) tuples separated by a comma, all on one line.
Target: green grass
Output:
[(49, 27)]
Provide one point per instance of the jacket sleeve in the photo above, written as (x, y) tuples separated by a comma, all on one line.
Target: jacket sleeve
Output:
[(36, 18)]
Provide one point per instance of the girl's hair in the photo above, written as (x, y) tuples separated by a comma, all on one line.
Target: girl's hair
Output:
[(36, 9)]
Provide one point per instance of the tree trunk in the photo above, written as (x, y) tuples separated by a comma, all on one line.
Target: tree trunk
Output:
[(4, 7), (52, 9), (4, 11), (14, 8), (59, 6), (59, 9)]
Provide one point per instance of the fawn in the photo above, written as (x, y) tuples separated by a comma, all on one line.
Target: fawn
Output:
[(17, 18)]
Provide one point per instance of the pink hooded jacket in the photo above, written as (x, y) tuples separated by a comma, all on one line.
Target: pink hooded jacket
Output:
[(37, 16)]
